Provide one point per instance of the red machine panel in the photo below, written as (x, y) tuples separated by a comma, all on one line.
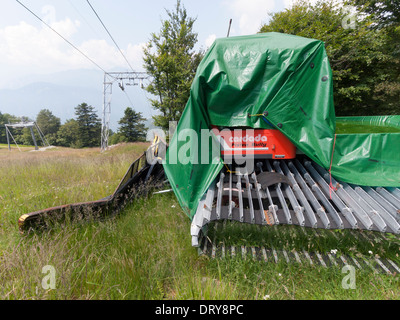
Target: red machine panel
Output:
[(262, 143)]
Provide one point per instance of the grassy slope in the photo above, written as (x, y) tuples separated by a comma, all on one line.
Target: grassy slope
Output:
[(146, 252)]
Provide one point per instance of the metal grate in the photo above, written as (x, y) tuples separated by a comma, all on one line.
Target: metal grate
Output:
[(308, 201), (273, 255)]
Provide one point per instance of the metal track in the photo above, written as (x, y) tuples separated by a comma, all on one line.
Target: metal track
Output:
[(141, 177), (308, 201), (273, 255)]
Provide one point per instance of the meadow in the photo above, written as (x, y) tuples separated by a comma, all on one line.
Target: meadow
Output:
[(145, 252)]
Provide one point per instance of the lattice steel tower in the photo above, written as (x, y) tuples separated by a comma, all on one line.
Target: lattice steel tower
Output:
[(123, 79)]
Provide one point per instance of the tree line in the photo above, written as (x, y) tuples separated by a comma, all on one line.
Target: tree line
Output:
[(82, 131), (361, 37), (362, 41)]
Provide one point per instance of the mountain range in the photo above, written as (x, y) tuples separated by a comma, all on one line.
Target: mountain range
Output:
[(61, 92)]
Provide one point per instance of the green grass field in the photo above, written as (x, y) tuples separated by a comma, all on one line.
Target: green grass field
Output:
[(146, 252)]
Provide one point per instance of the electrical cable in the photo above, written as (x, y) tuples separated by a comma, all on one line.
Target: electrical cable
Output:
[(84, 19), (72, 45), (110, 35), (130, 101)]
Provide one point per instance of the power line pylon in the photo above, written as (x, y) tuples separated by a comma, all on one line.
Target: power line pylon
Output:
[(123, 79)]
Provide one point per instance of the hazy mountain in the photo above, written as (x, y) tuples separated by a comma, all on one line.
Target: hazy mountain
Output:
[(61, 100), (62, 92), (79, 78)]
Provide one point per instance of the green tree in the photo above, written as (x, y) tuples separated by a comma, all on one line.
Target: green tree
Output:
[(68, 134), (385, 12), (170, 59), (115, 138), (25, 138), (6, 118), (132, 127), (385, 17), (365, 72), (3, 121), (49, 124), (89, 125)]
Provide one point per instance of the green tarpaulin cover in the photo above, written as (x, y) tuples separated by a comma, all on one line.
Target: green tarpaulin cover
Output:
[(290, 78)]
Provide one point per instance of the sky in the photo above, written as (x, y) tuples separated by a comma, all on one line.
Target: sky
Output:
[(28, 47), (31, 53)]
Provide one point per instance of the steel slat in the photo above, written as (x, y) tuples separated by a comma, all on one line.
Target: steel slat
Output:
[(275, 255), (253, 252), (332, 259), (293, 200), (250, 199), (230, 196), (310, 196), (389, 197), (320, 195), (214, 249), (239, 187), (281, 197), (220, 186), (321, 260), (300, 195), (372, 214), (381, 264), (356, 263), (285, 254), (384, 214), (393, 265), (272, 207), (382, 201), (264, 253), (348, 199), (257, 186), (297, 256), (307, 255), (344, 210), (395, 192)]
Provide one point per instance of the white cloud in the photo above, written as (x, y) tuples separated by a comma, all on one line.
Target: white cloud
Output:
[(28, 49), (250, 14), (210, 40), (134, 54), (288, 3), (28, 46)]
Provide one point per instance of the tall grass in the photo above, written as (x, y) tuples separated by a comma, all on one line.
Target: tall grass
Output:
[(145, 252)]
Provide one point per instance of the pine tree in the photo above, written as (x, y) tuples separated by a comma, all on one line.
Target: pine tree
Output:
[(89, 125), (132, 127)]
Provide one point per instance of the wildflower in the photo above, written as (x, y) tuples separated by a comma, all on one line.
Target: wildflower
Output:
[(266, 297), (370, 252), (333, 251)]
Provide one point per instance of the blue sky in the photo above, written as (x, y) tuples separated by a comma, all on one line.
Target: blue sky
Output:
[(27, 47)]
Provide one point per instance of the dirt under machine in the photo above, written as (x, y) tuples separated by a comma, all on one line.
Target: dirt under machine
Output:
[(258, 143)]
